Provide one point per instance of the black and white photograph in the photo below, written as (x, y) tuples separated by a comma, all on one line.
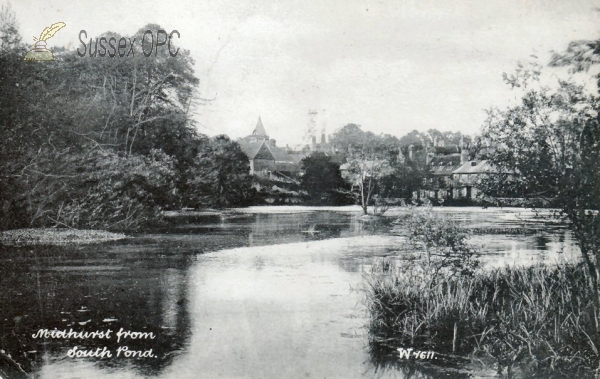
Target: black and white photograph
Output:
[(326, 189)]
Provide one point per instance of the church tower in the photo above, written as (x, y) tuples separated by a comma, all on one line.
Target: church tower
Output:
[(259, 133)]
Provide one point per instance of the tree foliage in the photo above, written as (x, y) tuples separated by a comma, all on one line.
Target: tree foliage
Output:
[(364, 172), (322, 179), (97, 141), (351, 138), (220, 175), (580, 56), (550, 141), (405, 178), (447, 252), (421, 139), (103, 190), (379, 167)]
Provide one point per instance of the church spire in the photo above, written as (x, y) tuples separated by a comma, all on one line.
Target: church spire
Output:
[(259, 130)]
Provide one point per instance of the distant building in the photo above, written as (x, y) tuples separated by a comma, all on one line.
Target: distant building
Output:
[(322, 145), (443, 160), (466, 178), (266, 158), (327, 148)]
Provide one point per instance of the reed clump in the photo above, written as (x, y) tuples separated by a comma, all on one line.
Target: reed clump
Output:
[(538, 321)]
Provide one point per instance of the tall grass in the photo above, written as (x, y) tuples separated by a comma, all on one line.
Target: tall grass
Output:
[(533, 322)]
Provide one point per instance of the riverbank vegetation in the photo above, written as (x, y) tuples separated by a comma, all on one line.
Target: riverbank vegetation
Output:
[(101, 143), (540, 321), (547, 145), (527, 321), (530, 321)]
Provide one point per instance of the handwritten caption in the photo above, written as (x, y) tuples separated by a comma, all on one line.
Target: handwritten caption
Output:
[(415, 354), (101, 352)]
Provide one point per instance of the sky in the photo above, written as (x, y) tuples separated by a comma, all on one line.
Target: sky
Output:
[(389, 66)]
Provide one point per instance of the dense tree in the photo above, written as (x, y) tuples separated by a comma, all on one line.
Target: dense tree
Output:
[(322, 179), (103, 190), (95, 141), (418, 139), (351, 138), (405, 178), (18, 141), (379, 168), (220, 175), (550, 141), (414, 138)]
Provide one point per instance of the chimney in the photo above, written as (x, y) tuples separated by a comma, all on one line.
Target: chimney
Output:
[(314, 143), (323, 139), (464, 154)]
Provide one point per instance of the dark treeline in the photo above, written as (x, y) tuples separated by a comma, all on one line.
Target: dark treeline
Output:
[(109, 143)]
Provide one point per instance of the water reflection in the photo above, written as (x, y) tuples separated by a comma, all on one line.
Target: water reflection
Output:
[(83, 290), (236, 295)]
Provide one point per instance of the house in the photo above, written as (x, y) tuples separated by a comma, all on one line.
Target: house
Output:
[(443, 160), (466, 177), (469, 174)]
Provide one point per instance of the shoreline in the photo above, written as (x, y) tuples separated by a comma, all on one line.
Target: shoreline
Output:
[(52, 236), (60, 236)]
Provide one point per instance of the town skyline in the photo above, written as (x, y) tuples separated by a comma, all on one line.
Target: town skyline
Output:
[(388, 67)]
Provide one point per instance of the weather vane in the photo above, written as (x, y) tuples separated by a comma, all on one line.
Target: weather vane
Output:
[(39, 51)]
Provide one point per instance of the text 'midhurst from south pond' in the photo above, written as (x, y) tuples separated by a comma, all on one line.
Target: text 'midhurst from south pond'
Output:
[(103, 352)]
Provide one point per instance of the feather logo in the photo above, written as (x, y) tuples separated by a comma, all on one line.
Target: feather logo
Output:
[(40, 52), (51, 31)]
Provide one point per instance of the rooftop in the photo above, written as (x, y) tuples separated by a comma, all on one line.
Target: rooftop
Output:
[(444, 165), (475, 167)]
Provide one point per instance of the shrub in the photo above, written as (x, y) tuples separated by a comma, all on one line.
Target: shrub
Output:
[(104, 190), (444, 245)]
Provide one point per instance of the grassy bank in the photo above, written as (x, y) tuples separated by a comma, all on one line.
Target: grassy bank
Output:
[(532, 322)]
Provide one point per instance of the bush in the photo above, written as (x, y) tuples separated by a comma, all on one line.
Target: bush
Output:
[(441, 247), (103, 190)]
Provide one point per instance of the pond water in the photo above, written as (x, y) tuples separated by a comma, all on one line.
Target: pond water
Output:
[(267, 292)]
